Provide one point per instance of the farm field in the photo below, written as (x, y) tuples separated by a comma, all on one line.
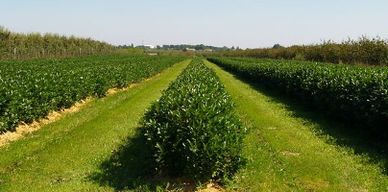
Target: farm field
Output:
[(65, 155), (101, 147), (193, 96), (29, 90), (356, 95), (286, 151)]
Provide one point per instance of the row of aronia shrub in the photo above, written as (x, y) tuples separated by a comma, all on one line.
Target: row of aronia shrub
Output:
[(192, 130), (357, 95), (29, 90)]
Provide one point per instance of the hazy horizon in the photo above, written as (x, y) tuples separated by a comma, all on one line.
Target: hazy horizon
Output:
[(246, 23)]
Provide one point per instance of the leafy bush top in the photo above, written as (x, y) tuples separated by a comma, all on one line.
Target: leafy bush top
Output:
[(355, 94), (192, 130)]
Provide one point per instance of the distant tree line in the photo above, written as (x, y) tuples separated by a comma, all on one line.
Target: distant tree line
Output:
[(35, 45), (370, 51), (126, 46), (200, 47)]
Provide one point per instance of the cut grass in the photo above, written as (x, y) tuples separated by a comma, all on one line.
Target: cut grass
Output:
[(285, 154), (62, 156)]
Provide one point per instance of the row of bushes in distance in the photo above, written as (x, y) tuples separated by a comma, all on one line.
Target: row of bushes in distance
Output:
[(192, 130), (362, 51), (29, 90), (35, 45), (355, 94)]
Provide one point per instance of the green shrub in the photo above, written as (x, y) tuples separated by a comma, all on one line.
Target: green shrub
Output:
[(193, 130), (368, 51), (358, 95), (29, 90), (35, 45)]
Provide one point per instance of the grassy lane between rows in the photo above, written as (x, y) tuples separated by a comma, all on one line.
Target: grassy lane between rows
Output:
[(62, 156), (285, 154)]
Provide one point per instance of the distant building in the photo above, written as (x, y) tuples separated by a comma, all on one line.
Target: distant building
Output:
[(149, 46), (146, 46), (189, 49)]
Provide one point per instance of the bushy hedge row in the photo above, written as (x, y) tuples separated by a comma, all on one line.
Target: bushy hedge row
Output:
[(35, 45), (362, 51), (29, 90), (192, 130), (355, 94)]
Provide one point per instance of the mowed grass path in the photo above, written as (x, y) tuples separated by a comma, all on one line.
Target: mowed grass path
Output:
[(63, 155), (284, 154)]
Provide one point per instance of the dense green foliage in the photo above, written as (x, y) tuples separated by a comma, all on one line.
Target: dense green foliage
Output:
[(362, 51), (35, 45), (31, 89), (355, 94), (193, 130)]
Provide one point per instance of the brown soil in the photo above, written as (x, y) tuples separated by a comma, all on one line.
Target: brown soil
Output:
[(211, 187), (187, 185)]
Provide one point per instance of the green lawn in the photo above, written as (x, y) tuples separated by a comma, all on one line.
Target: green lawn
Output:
[(71, 154), (285, 154)]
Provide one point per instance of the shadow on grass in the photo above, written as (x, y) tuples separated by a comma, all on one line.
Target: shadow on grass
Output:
[(131, 168), (341, 133)]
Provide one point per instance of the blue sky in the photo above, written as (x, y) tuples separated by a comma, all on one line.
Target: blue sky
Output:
[(244, 23)]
